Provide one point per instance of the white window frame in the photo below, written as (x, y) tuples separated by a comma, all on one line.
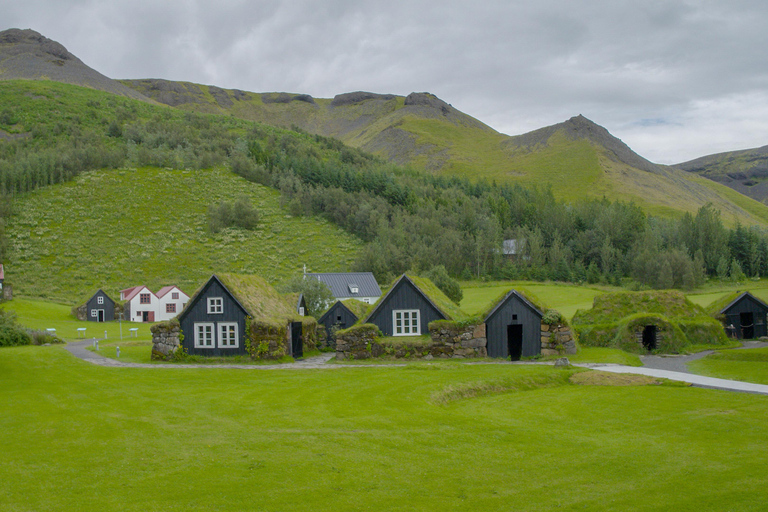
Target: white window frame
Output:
[(223, 329), (410, 322), (198, 330), (215, 305), (99, 300), (94, 313)]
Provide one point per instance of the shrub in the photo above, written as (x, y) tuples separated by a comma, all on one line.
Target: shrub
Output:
[(11, 335), (42, 337), (240, 214)]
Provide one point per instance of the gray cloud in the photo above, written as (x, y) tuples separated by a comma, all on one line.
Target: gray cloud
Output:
[(696, 68)]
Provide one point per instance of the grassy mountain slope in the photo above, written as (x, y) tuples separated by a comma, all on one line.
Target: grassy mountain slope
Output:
[(115, 229), (577, 158), (745, 171), (26, 54)]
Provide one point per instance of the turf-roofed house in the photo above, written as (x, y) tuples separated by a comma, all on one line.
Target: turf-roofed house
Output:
[(235, 314), (743, 315), (653, 321), (342, 314), (513, 327), (409, 306), (361, 286)]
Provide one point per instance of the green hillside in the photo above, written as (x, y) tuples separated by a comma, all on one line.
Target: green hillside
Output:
[(578, 159), (744, 171), (116, 229)]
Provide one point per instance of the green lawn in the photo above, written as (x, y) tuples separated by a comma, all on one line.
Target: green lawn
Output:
[(82, 437), (42, 315), (566, 298), (749, 365)]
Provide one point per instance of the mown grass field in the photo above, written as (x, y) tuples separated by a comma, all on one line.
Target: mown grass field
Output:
[(82, 437), (149, 226), (749, 365)]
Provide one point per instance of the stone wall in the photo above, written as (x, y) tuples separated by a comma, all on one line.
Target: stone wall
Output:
[(165, 340), (458, 342), (448, 341), (556, 339)]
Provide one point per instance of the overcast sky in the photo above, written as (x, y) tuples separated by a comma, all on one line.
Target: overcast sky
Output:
[(673, 79)]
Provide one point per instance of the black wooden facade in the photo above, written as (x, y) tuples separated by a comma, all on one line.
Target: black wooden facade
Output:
[(745, 317), (338, 316), (196, 315), (404, 296), (513, 328), (100, 308)]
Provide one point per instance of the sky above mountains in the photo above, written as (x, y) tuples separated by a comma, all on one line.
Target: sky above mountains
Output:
[(673, 79)]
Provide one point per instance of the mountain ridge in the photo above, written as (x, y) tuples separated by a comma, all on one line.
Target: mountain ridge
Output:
[(577, 158)]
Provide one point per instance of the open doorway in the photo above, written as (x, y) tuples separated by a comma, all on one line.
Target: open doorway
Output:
[(515, 342), (747, 325), (649, 337)]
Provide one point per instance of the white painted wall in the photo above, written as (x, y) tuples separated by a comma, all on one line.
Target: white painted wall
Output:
[(161, 314)]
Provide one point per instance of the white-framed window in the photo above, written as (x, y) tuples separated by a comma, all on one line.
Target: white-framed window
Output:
[(94, 313), (405, 322), (301, 311), (228, 335), (99, 300), (215, 305), (204, 335)]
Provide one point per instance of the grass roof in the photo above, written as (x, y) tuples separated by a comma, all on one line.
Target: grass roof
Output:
[(358, 307), (260, 299), (611, 307), (530, 297), (438, 298), (717, 306)]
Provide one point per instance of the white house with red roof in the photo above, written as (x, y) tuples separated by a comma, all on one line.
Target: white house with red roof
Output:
[(171, 300), (140, 304)]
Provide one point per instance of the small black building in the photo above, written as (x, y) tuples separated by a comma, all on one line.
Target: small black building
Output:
[(745, 317), (100, 308), (406, 309), (342, 314), (513, 328)]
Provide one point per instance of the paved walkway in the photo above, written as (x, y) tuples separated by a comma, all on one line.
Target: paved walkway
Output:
[(78, 349), (675, 366), (696, 380)]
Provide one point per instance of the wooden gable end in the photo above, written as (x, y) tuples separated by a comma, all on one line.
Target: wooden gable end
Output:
[(404, 296), (196, 312)]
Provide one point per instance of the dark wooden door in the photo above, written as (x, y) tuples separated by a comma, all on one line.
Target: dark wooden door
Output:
[(747, 325), (297, 346), (151, 316), (515, 342), (101, 315)]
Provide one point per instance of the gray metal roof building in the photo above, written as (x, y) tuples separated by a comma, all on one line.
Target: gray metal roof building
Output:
[(350, 285)]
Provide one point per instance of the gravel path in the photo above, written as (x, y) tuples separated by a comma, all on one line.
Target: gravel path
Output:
[(78, 349), (668, 367), (675, 363)]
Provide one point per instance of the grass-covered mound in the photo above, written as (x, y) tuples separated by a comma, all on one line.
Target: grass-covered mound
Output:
[(619, 320), (359, 308), (718, 305)]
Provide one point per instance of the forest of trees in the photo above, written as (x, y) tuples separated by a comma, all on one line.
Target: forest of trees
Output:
[(410, 220)]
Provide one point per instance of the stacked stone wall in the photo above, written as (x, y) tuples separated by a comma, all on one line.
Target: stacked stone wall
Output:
[(165, 340), (557, 339)]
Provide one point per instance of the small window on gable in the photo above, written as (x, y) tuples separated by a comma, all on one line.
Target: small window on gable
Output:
[(144, 298), (175, 295), (215, 305), (353, 288), (301, 311), (100, 300)]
